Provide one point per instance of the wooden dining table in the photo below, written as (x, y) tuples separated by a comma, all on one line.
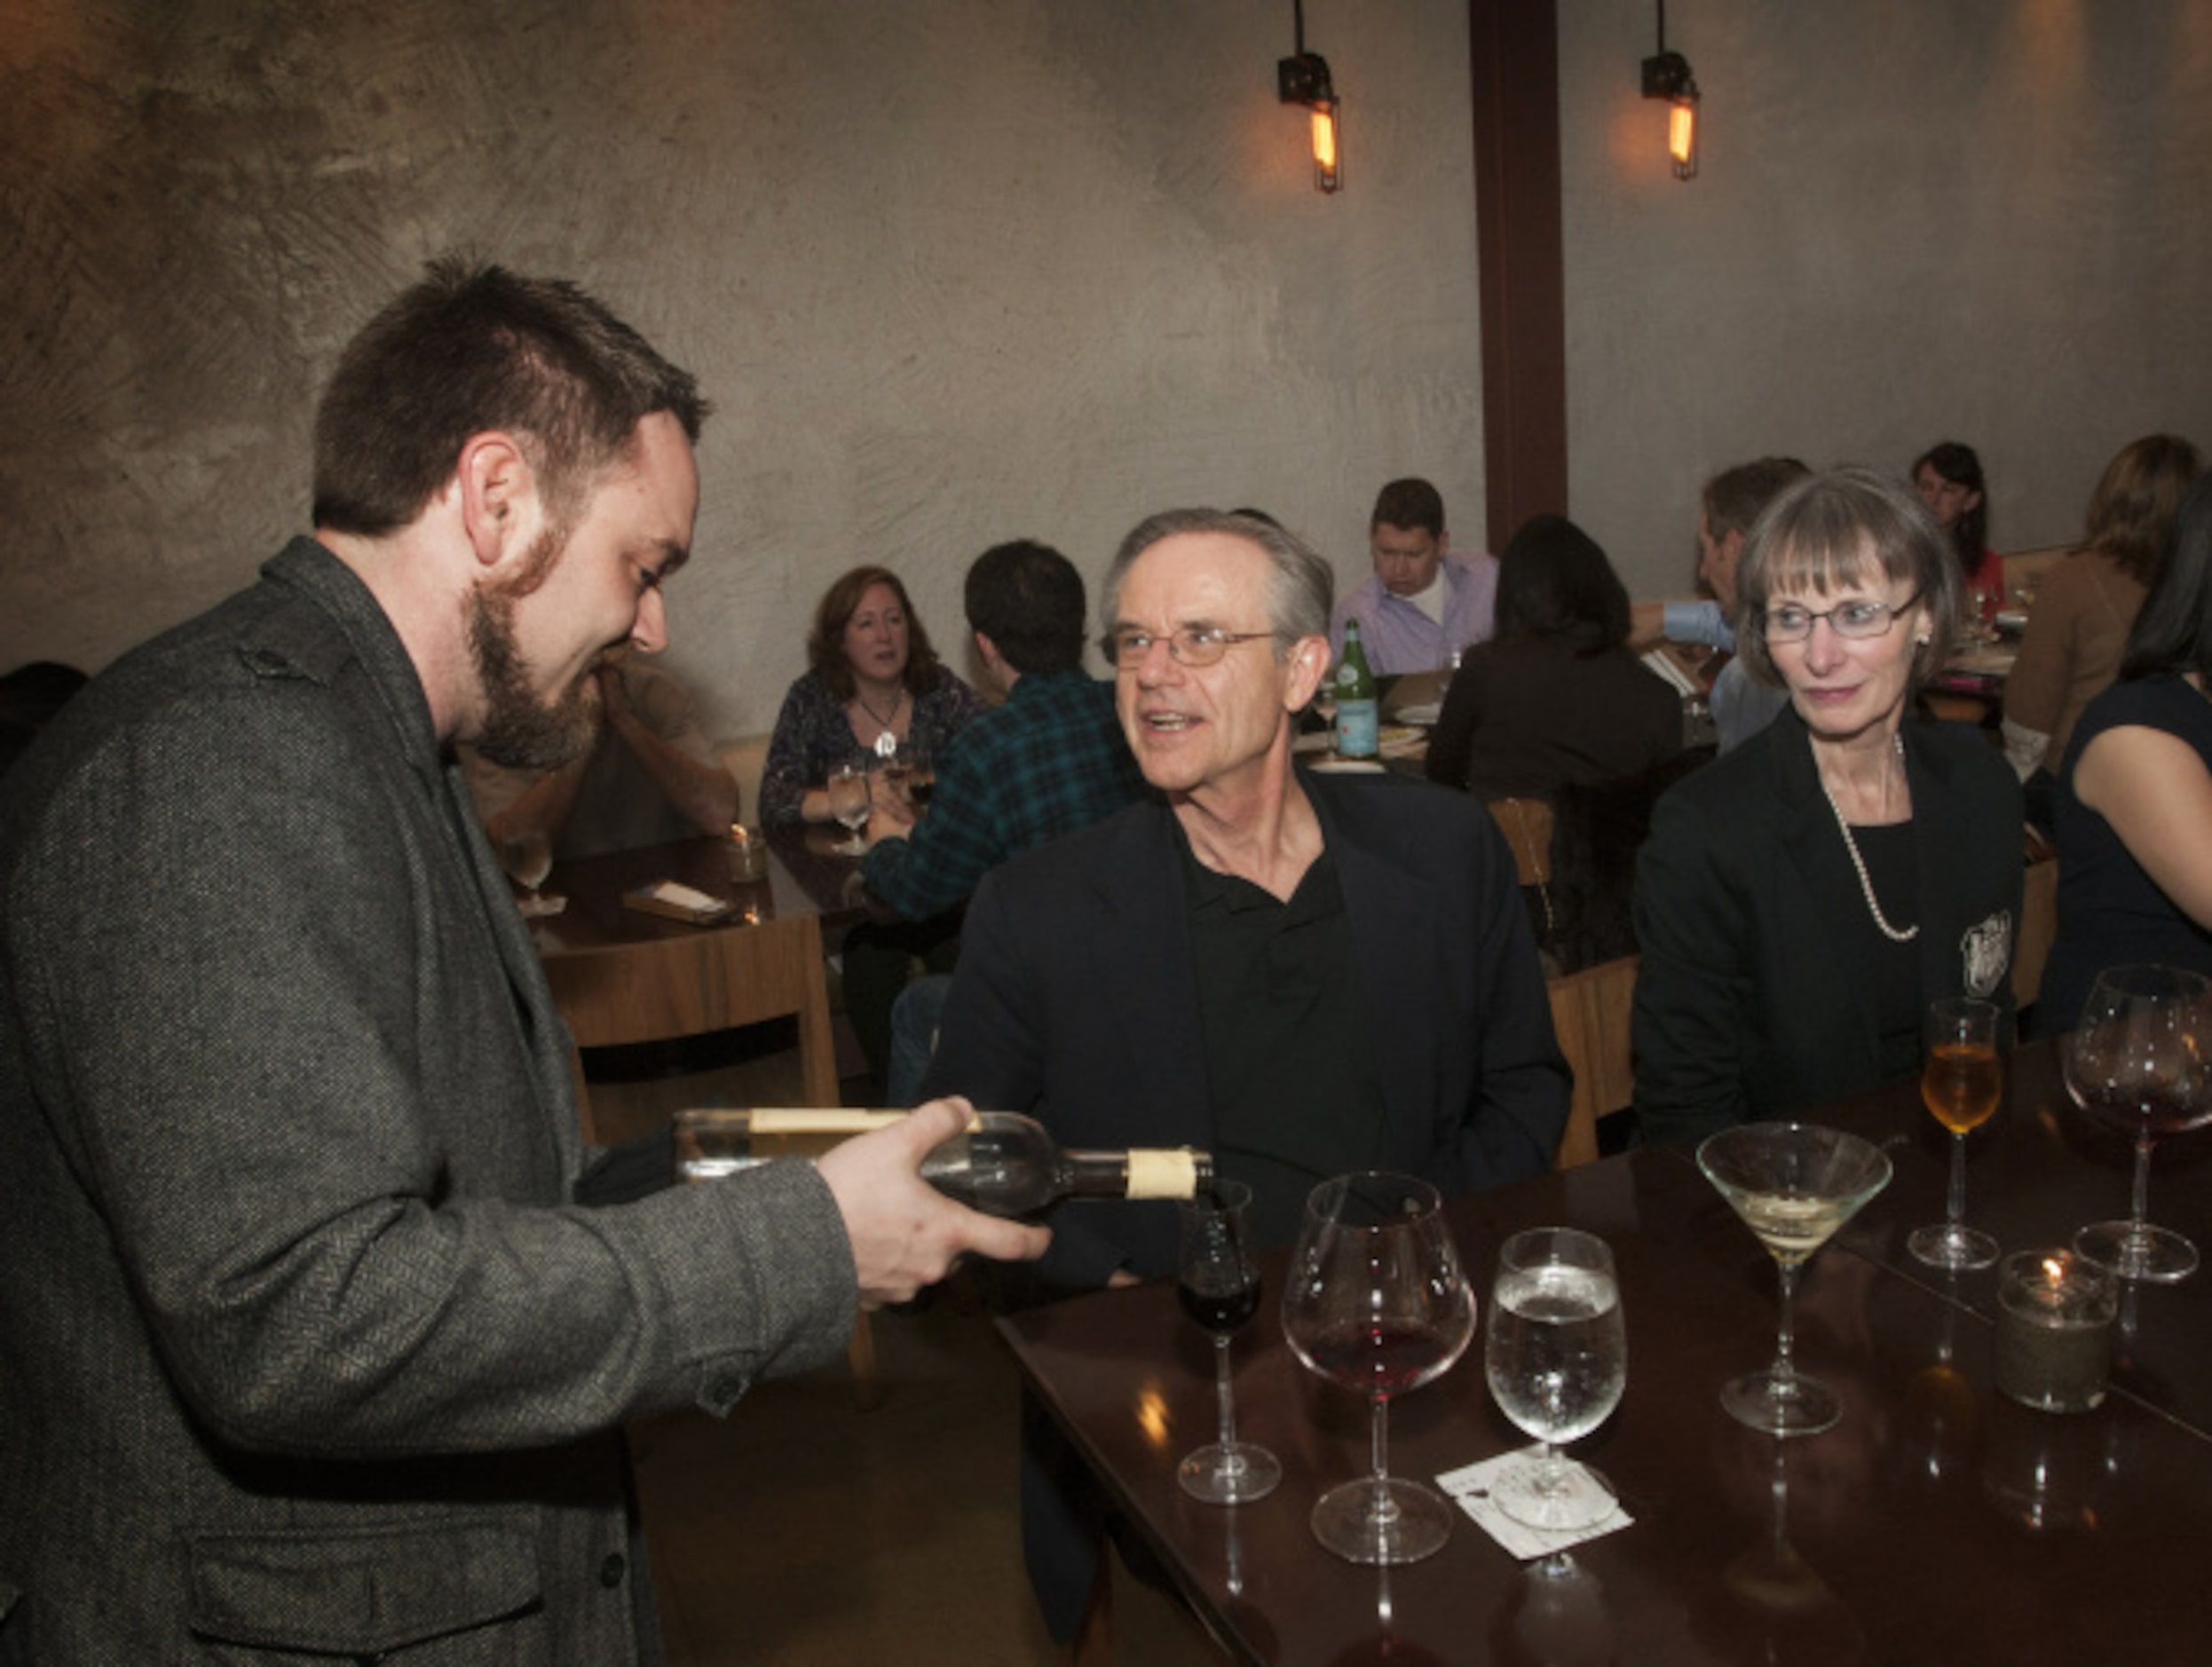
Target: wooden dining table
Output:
[(620, 975), (1938, 1522)]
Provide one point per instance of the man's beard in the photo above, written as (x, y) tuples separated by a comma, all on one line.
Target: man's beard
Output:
[(520, 730)]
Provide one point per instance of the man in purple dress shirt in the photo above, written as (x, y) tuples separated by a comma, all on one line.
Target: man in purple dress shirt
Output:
[(1423, 604)]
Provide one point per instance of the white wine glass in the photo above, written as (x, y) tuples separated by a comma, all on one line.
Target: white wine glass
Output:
[(2137, 1061), (1793, 1184), (1961, 1082), (1218, 1283), (1555, 1352), (528, 859), (1375, 1300), (849, 803)]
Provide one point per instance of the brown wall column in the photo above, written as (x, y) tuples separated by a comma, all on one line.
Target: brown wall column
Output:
[(1515, 75)]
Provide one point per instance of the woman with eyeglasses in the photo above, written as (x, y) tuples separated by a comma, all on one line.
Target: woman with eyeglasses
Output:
[(1803, 898)]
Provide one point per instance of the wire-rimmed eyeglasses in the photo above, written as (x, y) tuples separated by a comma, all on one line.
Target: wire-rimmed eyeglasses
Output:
[(1191, 645), (1858, 618)]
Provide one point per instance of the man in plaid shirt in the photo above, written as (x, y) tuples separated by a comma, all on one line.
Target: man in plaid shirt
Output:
[(1049, 761)]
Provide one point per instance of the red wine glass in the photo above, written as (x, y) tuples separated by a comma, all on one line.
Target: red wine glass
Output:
[(1218, 1283), (1375, 1301)]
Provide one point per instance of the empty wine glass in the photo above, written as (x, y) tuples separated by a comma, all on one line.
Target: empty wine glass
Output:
[(849, 803), (1218, 1283), (1375, 1301), (1961, 1081), (1555, 1352), (2137, 1061), (1793, 1184), (528, 859)]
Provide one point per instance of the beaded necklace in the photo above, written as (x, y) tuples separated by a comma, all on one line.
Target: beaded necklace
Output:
[(1858, 863)]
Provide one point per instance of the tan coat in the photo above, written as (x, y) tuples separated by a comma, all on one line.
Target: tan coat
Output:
[(2084, 608)]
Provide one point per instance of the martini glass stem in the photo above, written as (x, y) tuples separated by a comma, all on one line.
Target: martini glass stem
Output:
[(1956, 1208), (1785, 1367)]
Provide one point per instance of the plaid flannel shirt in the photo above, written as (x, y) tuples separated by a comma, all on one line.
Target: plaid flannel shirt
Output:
[(1051, 760)]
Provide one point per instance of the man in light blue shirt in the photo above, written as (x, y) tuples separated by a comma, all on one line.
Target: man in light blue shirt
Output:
[(1422, 604), (1730, 502)]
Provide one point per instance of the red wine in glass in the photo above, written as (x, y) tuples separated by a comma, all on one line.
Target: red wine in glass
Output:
[(1220, 1287), (1382, 1360), (1222, 1311)]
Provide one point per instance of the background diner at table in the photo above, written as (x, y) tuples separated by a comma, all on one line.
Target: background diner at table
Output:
[(874, 684), (2134, 800), (1552, 697), (2084, 604), (1949, 476), (1728, 505)]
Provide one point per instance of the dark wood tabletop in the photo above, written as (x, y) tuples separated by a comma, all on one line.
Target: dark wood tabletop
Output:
[(1938, 1522), (622, 976)]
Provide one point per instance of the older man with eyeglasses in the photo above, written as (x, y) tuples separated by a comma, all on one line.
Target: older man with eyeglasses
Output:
[(1301, 974)]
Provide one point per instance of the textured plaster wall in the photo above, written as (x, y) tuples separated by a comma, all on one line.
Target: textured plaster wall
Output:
[(1988, 220), (953, 270)]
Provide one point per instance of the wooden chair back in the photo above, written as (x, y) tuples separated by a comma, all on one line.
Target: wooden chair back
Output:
[(1589, 1014), (1527, 825)]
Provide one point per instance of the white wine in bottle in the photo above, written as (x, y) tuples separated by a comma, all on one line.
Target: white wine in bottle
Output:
[(1001, 1163)]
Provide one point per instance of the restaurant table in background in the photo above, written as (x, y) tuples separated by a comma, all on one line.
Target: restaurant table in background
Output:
[(1937, 1522), (621, 975)]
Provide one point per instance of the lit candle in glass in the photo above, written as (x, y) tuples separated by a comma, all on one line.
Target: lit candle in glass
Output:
[(2054, 1329)]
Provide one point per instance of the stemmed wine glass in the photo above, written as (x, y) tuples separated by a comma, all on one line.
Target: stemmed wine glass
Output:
[(1220, 1286), (2138, 1061), (528, 859), (1555, 1352), (1960, 1083), (849, 804), (1793, 1184), (1375, 1301)]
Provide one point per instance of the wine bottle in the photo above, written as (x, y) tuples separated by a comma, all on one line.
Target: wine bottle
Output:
[(1357, 715), (1001, 1163)]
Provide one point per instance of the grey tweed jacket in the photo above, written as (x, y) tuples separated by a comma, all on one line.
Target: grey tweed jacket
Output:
[(302, 1347)]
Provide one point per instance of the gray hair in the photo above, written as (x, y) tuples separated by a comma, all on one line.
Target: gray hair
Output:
[(1825, 532), (1300, 592)]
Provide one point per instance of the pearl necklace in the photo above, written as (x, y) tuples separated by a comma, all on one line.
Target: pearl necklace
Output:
[(1866, 886)]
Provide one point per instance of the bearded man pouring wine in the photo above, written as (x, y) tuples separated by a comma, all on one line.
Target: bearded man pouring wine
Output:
[(307, 1349)]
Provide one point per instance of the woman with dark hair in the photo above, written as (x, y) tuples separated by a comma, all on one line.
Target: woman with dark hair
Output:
[(1948, 477), (1803, 898), (870, 673), (872, 682), (2085, 605), (2135, 791), (1554, 698)]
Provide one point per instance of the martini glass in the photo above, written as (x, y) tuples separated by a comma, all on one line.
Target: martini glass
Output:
[(1794, 1184), (2138, 1061)]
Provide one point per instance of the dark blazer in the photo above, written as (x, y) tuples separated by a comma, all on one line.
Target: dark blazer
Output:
[(1753, 1000), (1075, 1000), (303, 1347)]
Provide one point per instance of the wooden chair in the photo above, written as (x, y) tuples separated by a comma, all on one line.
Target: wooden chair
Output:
[(1527, 825), (690, 983), (1589, 1013)]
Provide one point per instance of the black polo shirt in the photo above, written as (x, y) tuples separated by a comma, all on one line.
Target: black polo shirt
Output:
[(1288, 1062)]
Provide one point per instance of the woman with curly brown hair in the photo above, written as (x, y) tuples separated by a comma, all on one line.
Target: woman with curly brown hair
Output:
[(871, 672)]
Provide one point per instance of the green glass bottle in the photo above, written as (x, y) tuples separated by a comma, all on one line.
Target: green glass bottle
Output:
[(1356, 710)]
